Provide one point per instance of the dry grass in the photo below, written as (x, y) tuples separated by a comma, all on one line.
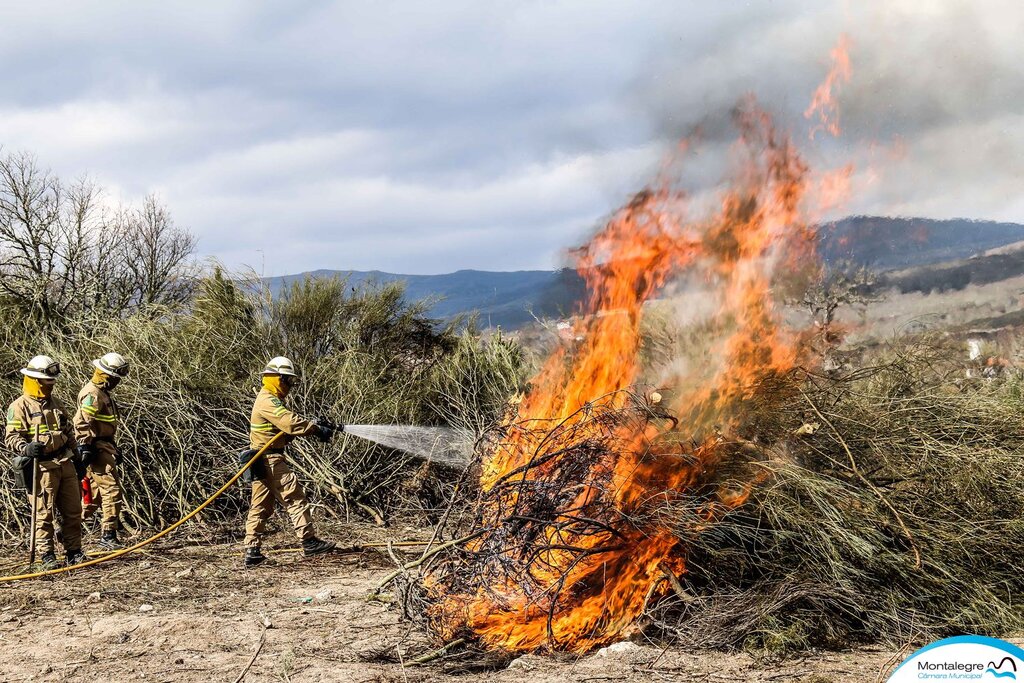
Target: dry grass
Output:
[(897, 520)]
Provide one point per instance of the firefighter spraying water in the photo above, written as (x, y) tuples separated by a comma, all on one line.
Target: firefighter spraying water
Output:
[(272, 427)]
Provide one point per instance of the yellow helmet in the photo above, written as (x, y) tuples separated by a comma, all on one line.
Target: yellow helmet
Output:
[(42, 367)]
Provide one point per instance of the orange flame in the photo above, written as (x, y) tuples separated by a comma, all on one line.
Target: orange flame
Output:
[(583, 590), (823, 102)]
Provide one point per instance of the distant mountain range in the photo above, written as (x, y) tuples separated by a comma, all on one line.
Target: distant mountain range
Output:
[(509, 299), (889, 243), (512, 299)]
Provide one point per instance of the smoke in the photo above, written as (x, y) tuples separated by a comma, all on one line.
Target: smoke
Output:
[(931, 116)]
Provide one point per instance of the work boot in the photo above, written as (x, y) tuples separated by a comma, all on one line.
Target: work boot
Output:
[(76, 557), (315, 546), (253, 556), (49, 561), (109, 540)]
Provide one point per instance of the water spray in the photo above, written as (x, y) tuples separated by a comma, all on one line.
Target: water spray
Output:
[(445, 445)]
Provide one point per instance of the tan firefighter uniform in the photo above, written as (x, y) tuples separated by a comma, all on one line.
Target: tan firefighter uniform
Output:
[(58, 486), (269, 418), (96, 424)]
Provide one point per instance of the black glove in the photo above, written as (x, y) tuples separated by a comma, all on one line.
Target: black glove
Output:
[(324, 430), (34, 450), (85, 453)]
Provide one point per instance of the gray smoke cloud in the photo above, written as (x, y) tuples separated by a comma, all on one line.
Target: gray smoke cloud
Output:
[(931, 117), (428, 137)]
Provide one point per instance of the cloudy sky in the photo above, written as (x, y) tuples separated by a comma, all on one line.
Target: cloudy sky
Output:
[(427, 137)]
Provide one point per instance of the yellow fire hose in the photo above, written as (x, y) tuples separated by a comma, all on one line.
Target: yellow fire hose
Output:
[(141, 544), (216, 494)]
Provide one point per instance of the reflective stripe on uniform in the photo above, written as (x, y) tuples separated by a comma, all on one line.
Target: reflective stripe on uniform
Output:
[(43, 429), (265, 427), (91, 411)]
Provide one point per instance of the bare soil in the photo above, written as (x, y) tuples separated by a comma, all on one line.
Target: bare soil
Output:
[(189, 612)]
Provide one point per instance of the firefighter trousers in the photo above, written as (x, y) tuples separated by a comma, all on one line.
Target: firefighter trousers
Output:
[(106, 492), (281, 486), (59, 489)]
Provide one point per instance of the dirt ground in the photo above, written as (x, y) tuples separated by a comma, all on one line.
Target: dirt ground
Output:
[(191, 612)]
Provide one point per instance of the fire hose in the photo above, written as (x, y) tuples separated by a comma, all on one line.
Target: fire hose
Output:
[(141, 544)]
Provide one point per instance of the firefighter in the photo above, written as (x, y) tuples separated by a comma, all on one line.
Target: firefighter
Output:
[(40, 430), (95, 428), (272, 479)]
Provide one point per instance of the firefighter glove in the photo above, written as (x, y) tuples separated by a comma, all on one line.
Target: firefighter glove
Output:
[(34, 450), (324, 430)]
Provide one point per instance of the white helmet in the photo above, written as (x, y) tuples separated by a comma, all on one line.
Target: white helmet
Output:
[(280, 366), (42, 367), (112, 364)]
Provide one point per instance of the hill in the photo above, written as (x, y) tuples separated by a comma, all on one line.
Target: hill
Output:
[(506, 299), (888, 243), (914, 245)]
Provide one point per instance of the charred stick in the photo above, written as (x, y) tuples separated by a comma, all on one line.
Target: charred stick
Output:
[(554, 599), (573, 520), (534, 462), (600, 525), (436, 654), (416, 563)]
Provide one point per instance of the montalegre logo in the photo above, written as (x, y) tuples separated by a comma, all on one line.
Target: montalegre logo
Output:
[(964, 658)]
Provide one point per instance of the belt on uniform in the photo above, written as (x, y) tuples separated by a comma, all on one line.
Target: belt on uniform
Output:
[(56, 455)]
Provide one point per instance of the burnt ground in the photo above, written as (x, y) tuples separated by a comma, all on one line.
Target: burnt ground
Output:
[(191, 612)]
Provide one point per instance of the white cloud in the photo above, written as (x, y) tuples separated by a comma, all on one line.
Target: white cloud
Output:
[(540, 208), (81, 128), (429, 137)]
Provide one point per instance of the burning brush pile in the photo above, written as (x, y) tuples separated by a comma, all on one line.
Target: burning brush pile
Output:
[(760, 503), (574, 545)]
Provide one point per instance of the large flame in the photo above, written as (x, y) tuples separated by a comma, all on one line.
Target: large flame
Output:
[(584, 589)]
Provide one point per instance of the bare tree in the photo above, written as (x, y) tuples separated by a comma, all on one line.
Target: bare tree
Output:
[(30, 206), (63, 253), (839, 285), (81, 284), (156, 253)]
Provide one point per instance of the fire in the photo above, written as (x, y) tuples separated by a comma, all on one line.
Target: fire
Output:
[(823, 103), (571, 548)]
